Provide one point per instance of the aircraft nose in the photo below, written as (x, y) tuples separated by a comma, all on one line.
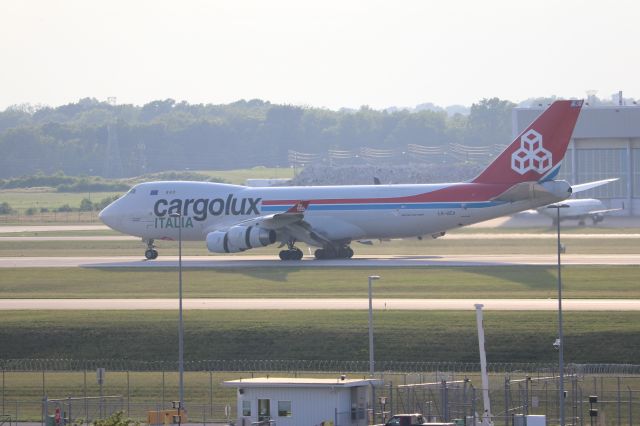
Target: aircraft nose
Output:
[(110, 217)]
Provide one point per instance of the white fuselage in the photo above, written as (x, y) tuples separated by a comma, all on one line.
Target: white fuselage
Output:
[(337, 213), (577, 209)]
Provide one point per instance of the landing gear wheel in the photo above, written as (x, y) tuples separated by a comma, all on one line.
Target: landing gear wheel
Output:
[(284, 255), (325, 253), (349, 252), (345, 253), (151, 254), (330, 253), (292, 254)]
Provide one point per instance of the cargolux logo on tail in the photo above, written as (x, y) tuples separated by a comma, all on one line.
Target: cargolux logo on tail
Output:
[(531, 155)]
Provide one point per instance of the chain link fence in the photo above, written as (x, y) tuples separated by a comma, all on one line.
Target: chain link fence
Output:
[(32, 389), (71, 217), (290, 365)]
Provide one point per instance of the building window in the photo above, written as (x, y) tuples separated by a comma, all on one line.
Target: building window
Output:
[(246, 408), (284, 408)]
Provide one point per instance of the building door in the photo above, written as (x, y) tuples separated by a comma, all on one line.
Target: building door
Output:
[(264, 410)]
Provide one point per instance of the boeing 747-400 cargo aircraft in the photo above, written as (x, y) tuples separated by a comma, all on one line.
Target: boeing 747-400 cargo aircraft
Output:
[(232, 218)]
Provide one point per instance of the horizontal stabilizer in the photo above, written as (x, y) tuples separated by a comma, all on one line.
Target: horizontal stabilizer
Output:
[(589, 185), (605, 211)]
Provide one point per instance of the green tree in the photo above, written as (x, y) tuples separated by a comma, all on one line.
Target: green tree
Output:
[(490, 122), (86, 205)]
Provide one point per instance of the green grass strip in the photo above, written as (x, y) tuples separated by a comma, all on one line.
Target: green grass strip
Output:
[(431, 282), (591, 337)]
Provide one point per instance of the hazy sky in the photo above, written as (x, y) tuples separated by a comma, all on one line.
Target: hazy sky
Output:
[(321, 53)]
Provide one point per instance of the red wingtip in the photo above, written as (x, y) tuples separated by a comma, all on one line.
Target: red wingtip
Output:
[(538, 149), (299, 207)]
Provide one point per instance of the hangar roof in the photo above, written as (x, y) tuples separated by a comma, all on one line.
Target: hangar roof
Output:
[(289, 382), (594, 121)]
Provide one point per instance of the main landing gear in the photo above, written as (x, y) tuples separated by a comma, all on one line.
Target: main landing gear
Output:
[(292, 253), (151, 253), (344, 252)]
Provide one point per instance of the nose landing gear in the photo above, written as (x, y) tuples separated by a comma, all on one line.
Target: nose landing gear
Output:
[(151, 253)]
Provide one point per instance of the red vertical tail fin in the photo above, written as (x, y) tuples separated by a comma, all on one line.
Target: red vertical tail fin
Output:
[(536, 154)]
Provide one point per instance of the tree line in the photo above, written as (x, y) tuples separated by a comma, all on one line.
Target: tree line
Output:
[(100, 139)]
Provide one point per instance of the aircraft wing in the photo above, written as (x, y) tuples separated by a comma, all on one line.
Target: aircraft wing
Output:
[(290, 222), (589, 185), (280, 220)]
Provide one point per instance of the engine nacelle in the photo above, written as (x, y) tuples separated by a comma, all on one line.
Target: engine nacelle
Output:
[(239, 238)]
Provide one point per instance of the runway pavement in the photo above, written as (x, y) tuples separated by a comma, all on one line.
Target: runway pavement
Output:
[(460, 236), (271, 261), (51, 228), (321, 304)]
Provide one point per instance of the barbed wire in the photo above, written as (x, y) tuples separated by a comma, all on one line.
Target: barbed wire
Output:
[(336, 366)]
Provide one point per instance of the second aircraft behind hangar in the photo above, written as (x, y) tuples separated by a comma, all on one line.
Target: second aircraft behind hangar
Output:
[(232, 218)]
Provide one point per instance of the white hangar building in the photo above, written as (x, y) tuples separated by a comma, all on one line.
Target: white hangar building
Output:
[(605, 144), (304, 402)]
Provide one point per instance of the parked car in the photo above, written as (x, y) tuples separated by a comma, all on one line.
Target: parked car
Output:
[(406, 420)]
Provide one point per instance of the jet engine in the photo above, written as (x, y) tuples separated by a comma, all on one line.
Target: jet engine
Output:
[(239, 238)]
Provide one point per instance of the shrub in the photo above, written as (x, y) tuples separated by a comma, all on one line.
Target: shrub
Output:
[(105, 202), (116, 419), (86, 205), (5, 208)]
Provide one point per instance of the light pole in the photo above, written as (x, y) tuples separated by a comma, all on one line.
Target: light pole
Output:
[(371, 362), (180, 326), (560, 335)]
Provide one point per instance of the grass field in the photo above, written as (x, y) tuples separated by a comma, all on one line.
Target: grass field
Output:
[(239, 176), (22, 199), (433, 282), (47, 198), (591, 337)]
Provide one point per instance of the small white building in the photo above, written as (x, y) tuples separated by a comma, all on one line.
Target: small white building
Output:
[(304, 402)]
